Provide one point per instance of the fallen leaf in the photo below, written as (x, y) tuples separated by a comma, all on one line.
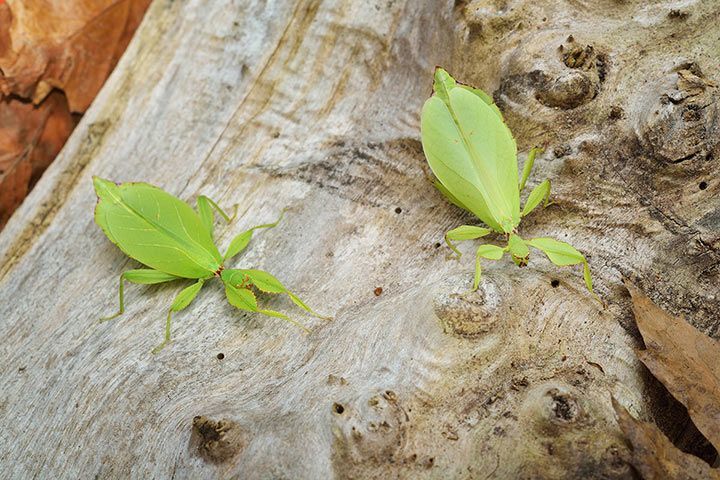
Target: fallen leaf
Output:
[(54, 57), (60, 44), (685, 360), (30, 138), (654, 456)]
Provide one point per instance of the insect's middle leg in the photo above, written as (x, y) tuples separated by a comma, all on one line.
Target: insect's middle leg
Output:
[(182, 300), (145, 276)]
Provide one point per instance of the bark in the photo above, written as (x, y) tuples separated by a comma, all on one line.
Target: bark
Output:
[(314, 105)]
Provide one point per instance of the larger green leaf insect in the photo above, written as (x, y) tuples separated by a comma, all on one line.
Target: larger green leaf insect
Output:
[(473, 155), (165, 234)]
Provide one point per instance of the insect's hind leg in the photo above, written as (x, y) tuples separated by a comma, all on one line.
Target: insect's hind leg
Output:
[(146, 276), (491, 252), (205, 206), (464, 232), (527, 168), (241, 240)]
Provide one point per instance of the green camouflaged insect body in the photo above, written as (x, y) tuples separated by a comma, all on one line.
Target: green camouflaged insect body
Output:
[(165, 234), (473, 155)]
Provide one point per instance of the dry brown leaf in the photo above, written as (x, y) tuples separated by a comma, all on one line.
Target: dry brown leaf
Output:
[(57, 54), (71, 45), (655, 457), (30, 138), (685, 360)]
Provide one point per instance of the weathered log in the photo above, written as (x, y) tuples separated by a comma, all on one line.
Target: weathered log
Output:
[(314, 105)]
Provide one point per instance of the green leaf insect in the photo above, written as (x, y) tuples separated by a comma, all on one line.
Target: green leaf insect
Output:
[(166, 235), (473, 155)]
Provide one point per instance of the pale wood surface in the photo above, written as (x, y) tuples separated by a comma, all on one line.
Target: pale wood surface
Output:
[(314, 105)]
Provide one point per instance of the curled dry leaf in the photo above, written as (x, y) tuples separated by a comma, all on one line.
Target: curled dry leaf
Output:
[(685, 360), (54, 57), (68, 45), (655, 457), (30, 137)]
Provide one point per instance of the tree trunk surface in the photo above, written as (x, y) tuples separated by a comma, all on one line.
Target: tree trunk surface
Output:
[(313, 106)]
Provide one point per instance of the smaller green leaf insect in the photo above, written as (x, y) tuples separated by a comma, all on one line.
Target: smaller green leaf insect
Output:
[(165, 234), (473, 156)]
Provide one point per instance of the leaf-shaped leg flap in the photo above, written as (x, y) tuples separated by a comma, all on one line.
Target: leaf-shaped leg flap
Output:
[(145, 276), (563, 254), (267, 283), (241, 241), (182, 300), (527, 168), (244, 299), (464, 232), (538, 194), (205, 206), (490, 252)]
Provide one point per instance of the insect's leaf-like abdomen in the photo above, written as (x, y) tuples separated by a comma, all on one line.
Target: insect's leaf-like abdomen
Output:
[(158, 230), (473, 154)]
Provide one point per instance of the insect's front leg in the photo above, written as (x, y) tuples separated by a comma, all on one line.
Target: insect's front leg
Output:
[(145, 276), (264, 282), (244, 299), (182, 300), (267, 283)]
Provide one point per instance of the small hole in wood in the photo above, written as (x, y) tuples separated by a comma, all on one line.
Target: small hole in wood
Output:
[(702, 185), (437, 245), (398, 210), (555, 283), (338, 408), (220, 356)]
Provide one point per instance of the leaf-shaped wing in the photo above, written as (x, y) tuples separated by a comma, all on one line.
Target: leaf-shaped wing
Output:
[(485, 98), (156, 229), (443, 83), (473, 154)]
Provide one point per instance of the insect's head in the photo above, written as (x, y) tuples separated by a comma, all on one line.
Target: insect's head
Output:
[(521, 261), (518, 250)]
